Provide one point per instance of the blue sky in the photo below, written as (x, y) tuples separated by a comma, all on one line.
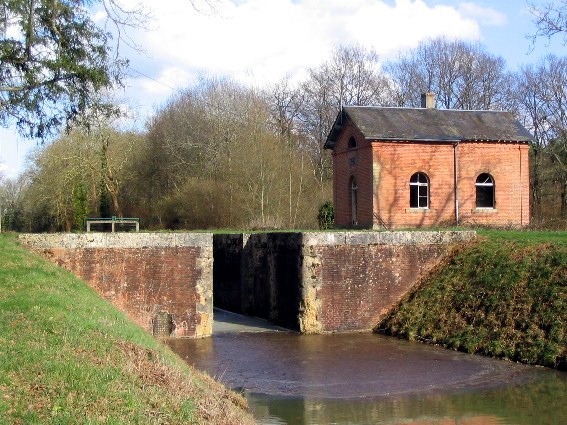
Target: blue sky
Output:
[(260, 41)]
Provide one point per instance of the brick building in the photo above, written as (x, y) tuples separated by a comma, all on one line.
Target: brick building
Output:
[(420, 167)]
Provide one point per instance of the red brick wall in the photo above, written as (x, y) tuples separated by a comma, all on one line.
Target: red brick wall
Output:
[(509, 166), (360, 284), (348, 163), (395, 163), (386, 182), (141, 281)]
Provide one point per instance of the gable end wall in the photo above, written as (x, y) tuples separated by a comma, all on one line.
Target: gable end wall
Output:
[(355, 163)]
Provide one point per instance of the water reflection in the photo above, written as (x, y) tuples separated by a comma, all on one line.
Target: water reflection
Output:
[(541, 402), (368, 378)]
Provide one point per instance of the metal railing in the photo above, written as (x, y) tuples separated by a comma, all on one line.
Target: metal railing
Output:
[(113, 221)]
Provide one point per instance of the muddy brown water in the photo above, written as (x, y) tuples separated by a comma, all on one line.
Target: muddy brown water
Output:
[(368, 378)]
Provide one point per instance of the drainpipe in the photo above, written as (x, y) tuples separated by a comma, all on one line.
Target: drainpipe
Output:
[(521, 189), (455, 171)]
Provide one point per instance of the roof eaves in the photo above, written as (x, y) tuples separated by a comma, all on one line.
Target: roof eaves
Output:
[(409, 139), (337, 127)]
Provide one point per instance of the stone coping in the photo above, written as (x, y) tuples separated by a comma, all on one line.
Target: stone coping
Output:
[(180, 239), (392, 237), (115, 240), (407, 237)]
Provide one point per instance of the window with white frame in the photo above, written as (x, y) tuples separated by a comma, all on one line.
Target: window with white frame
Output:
[(484, 191), (419, 191)]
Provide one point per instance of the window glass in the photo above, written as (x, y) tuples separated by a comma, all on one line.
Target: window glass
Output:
[(484, 191), (419, 191), (352, 143)]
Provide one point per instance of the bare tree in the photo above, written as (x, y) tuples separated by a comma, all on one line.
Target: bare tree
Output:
[(11, 193), (351, 77), (550, 20), (286, 103), (462, 75), (541, 103)]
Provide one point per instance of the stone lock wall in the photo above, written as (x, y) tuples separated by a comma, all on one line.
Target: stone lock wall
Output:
[(352, 279), (161, 281), (319, 282), (259, 275), (312, 282)]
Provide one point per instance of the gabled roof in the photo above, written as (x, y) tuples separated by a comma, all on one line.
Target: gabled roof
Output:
[(423, 124)]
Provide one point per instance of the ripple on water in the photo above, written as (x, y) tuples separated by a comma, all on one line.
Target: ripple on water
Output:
[(369, 378)]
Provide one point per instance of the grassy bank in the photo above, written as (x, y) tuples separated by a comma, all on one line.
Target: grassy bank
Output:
[(504, 295), (67, 356)]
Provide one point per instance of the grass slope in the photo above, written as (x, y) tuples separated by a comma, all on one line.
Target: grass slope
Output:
[(504, 295), (67, 356)]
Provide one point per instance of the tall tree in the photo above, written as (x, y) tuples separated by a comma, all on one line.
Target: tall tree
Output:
[(541, 98), (352, 76), (286, 102), (462, 75)]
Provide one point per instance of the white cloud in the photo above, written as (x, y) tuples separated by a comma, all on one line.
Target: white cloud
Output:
[(261, 41), (100, 17), (485, 15), (13, 152), (169, 78)]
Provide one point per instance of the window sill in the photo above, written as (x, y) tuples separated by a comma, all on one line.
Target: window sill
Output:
[(484, 210), (420, 210)]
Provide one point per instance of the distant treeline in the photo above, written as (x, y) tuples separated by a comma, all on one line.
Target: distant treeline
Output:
[(224, 155)]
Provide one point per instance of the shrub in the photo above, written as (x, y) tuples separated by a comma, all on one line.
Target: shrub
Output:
[(326, 216)]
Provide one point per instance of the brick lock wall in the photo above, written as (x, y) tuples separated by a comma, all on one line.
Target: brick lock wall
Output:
[(383, 171), (351, 280), (143, 281), (313, 281), (361, 285)]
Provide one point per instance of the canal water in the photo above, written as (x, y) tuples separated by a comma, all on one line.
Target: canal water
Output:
[(367, 378)]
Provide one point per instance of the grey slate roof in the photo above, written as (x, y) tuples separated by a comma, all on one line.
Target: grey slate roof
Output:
[(421, 124)]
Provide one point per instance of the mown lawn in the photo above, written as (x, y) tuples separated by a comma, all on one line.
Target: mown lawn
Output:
[(67, 356), (504, 295), (525, 237)]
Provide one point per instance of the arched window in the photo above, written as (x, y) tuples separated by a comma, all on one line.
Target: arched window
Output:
[(419, 191), (352, 143), (353, 200), (484, 191)]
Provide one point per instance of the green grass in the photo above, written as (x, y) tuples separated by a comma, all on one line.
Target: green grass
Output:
[(525, 237), (504, 295), (67, 356)]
